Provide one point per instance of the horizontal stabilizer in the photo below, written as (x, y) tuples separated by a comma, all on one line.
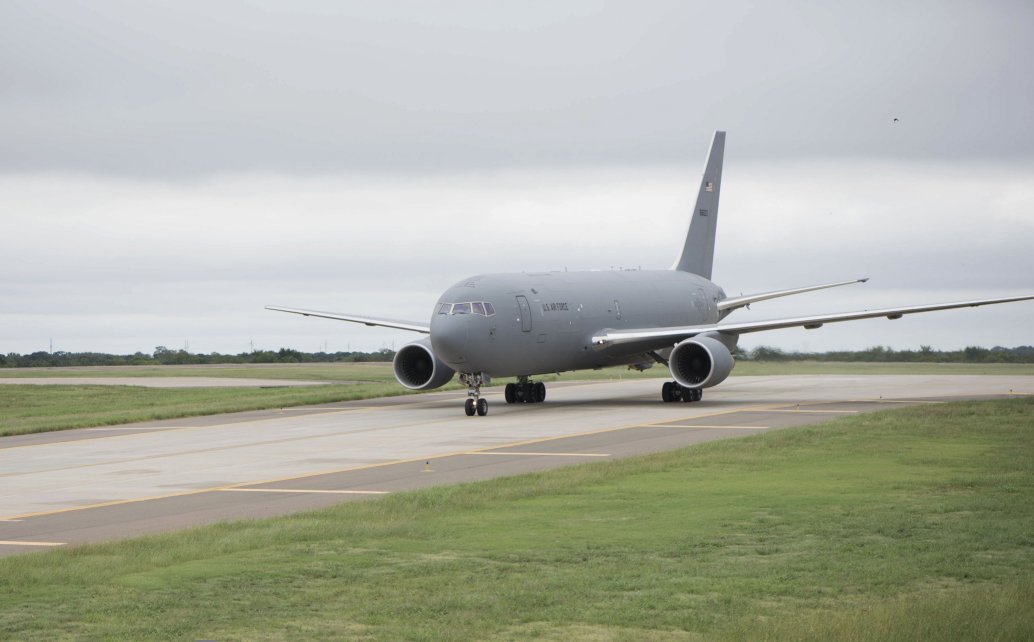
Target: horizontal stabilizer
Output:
[(385, 323)]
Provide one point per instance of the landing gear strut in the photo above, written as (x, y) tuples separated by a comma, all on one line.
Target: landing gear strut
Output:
[(673, 391), (474, 403), (525, 391)]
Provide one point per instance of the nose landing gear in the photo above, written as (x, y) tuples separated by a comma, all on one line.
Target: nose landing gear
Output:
[(474, 404)]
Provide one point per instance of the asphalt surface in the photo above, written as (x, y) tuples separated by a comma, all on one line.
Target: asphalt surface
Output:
[(92, 485)]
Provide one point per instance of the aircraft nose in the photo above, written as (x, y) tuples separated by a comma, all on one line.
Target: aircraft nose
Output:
[(449, 338)]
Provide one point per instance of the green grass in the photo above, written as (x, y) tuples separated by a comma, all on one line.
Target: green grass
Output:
[(345, 372), (900, 525), (753, 368), (34, 408)]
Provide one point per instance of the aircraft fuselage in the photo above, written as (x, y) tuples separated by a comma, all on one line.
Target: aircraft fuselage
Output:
[(544, 321)]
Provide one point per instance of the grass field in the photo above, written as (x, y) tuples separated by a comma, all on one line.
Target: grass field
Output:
[(912, 524), (30, 408)]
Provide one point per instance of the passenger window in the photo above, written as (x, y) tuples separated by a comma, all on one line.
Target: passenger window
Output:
[(461, 308), (445, 308), (489, 310), (478, 307)]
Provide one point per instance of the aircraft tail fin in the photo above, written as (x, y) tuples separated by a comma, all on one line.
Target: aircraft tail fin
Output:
[(698, 252)]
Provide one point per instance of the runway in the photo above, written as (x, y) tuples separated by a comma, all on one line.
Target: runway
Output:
[(92, 485)]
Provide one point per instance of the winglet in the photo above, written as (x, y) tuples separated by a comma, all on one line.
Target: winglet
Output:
[(698, 252)]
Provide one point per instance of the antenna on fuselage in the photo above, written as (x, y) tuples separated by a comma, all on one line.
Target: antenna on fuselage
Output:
[(697, 254)]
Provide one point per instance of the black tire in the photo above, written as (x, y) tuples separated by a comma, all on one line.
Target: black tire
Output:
[(468, 407), (540, 392), (666, 393), (482, 407), (509, 393)]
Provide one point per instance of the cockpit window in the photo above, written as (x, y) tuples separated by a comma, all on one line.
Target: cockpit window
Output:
[(481, 308)]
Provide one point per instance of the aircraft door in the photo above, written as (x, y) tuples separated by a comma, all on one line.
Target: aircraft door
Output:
[(525, 313)]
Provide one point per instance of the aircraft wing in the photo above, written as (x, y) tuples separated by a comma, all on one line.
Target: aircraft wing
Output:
[(732, 303), (387, 323), (676, 334)]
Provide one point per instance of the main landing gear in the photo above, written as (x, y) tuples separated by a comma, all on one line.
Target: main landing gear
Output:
[(474, 403), (525, 391), (673, 391)]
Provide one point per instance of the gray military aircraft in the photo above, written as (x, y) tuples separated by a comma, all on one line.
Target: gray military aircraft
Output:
[(530, 323)]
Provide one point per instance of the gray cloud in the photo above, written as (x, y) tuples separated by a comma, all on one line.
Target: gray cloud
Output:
[(191, 89)]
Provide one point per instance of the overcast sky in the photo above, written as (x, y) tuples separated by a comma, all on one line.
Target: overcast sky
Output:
[(167, 169)]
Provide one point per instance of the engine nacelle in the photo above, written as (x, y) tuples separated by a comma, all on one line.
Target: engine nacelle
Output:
[(417, 368), (700, 362)]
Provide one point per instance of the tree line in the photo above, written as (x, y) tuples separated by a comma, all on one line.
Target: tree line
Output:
[(166, 356), (925, 354)]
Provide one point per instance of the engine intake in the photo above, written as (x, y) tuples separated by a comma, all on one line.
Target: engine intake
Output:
[(700, 362), (417, 368)]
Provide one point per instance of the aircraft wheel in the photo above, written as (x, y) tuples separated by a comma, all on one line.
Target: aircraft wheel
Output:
[(482, 407), (518, 394), (540, 392), (468, 407), (666, 392), (509, 393)]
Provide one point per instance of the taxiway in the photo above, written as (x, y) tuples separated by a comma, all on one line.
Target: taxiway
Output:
[(99, 484)]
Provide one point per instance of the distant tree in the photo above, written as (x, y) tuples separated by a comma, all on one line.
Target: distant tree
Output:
[(765, 353), (974, 353)]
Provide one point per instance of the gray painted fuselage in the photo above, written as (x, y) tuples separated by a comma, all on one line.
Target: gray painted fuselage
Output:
[(564, 311)]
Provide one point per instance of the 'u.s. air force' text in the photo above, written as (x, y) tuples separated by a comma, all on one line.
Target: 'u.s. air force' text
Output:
[(554, 307)]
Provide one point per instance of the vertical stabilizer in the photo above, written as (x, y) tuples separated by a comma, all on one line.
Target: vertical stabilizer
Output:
[(698, 252)]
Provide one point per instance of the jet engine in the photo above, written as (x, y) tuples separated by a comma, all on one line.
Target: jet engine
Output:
[(700, 362), (417, 368)]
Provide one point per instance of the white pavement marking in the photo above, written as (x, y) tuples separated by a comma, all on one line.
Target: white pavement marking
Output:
[(709, 427), (14, 542), (111, 428), (525, 454), (913, 401), (818, 412), (302, 490)]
